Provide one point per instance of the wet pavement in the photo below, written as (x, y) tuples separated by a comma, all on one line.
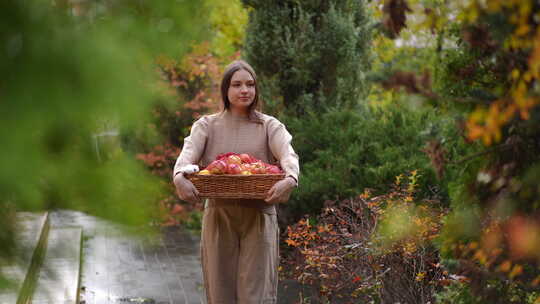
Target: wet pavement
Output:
[(120, 268), (29, 238)]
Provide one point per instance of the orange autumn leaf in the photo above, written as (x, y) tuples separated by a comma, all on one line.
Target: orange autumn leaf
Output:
[(516, 270), (292, 243)]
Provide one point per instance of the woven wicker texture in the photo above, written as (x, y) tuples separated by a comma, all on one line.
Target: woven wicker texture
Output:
[(253, 186)]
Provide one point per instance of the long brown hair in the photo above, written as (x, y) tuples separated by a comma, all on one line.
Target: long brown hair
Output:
[(232, 68)]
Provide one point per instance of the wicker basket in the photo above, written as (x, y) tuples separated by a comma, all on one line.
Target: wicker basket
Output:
[(253, 186)]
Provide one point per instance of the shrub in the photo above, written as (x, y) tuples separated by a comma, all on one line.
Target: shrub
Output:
[(342, 152), (348, 256)]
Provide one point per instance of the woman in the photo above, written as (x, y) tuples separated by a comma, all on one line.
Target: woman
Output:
[(239, 243)]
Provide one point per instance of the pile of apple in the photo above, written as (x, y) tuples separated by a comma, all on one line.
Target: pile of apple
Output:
[(244, 164)]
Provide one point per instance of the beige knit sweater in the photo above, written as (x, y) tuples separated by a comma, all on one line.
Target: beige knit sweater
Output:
[(223, 132)]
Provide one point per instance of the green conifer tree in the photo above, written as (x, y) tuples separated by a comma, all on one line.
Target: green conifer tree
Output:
[(315, 51)]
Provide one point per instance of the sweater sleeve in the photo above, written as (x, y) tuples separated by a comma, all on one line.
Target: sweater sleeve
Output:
[(279, 141), (194, 145)]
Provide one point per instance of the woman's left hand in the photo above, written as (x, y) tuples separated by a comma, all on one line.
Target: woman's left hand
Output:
[(281, 191)]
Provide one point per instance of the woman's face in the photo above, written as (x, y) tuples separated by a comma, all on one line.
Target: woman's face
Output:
[(241, 90)]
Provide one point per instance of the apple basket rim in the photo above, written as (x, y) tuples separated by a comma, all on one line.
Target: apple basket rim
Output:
[(234, 186)]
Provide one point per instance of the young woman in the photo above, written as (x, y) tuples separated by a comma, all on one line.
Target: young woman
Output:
[(239, 243)]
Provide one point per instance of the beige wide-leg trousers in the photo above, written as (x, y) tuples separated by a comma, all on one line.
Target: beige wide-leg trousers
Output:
[(239, 253)]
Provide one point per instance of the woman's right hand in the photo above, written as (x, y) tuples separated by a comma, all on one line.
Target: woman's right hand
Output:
[(185, 189)]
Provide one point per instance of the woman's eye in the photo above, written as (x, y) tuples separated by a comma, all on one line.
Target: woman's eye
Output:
[(237, 85)]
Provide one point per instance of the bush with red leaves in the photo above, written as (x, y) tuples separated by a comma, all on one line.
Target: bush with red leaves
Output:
[(351, 252)]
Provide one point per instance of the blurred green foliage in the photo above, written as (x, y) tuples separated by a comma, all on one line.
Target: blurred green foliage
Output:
[(75, 76)]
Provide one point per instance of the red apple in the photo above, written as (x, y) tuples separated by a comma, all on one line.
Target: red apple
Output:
[(271, 169), (224, 156), (253, 168), (234, 159), (233, 169), (246, 158), (258, 168), (217, 167)]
